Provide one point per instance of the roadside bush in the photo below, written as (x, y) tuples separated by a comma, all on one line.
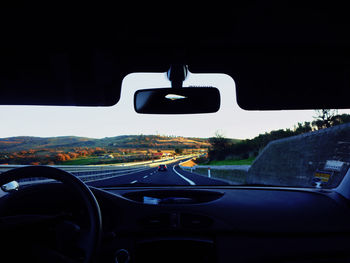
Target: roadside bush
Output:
[(202, 160)]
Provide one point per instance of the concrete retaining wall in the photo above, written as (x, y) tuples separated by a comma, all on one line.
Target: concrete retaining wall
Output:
[(294, 161)]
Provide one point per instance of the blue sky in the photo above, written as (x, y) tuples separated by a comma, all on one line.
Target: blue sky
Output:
[(121, 119)]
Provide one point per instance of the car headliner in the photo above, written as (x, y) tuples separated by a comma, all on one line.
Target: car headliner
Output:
[(281, 55)]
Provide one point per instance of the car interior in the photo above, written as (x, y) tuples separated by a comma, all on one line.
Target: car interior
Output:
[(281, 56)]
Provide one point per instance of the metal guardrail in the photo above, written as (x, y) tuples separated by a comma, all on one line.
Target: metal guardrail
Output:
[(226, 167), (103, 176), (83, 173), (70, 168), (87, 178)]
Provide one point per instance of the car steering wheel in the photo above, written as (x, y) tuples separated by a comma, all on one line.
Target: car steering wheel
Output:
[(93, 235)]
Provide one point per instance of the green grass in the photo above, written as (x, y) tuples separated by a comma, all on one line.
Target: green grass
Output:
[(83, 161), (248, 161), (91, 160)]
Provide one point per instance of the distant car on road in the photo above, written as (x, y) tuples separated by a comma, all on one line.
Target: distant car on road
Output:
[(162, 167)]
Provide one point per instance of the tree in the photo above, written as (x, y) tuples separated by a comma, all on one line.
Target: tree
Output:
[(220, 147), (178, 150), (325, 118), (73, 155), (343, 118), (303, 127), (61, 157), (99, 151)]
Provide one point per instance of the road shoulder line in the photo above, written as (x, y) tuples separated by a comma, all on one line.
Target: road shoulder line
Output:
[(183, 177)]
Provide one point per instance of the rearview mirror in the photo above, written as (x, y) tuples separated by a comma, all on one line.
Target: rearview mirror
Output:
[(187, 100)]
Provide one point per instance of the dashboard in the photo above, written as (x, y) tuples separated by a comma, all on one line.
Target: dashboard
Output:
[(203, 224), (225, 224)]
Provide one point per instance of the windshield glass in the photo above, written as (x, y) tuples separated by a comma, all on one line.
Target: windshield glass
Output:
[(115, 146)]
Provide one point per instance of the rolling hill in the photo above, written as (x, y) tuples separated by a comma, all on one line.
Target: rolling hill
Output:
[(20, 143)]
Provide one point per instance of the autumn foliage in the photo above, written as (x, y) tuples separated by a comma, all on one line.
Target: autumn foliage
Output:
[(48, 156)]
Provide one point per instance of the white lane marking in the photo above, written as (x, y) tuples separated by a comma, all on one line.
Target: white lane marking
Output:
[(145, 176), (183, 177), (134, 182)]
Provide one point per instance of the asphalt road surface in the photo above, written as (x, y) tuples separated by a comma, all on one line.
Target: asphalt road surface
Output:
[(173, 176)]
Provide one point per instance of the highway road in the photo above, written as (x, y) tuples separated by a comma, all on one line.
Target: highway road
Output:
[(141, 175), (151, 177)]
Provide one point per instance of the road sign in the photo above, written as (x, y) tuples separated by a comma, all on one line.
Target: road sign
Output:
[(332, 165), (324, 176)]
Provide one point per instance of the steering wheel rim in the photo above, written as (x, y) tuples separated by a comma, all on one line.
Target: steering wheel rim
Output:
[(94, 213)]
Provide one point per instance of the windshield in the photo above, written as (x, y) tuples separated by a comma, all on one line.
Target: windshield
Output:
[(115, 146)]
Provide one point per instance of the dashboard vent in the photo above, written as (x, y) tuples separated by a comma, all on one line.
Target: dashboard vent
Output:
[(195, 221), (176, 220)]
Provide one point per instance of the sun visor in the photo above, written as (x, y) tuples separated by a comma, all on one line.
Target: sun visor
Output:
[(298, 78), (42, 76)]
